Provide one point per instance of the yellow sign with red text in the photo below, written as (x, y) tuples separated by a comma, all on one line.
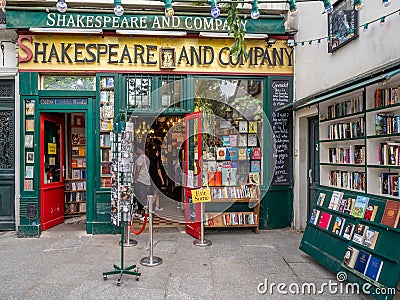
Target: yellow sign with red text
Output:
[(149, 54), (201, 195)]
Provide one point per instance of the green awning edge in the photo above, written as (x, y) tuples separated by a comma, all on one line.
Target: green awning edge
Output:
[(379, 74)]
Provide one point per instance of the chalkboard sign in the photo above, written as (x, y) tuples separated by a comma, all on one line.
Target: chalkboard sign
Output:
[(281, 123)]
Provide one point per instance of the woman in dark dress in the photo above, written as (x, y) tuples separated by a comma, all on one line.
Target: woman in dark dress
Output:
[(156, 176)]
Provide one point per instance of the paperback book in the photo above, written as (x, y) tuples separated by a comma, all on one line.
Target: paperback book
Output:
[(348, 231), (362, 261), (360, 206), (370, 238), (359, 234), (374, 268), (350, 257), (335, 200), (338, 225), (321, 199), (324, 220), (314, 216)]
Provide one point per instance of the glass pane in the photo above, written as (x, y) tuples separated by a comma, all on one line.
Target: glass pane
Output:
[(171, 91), (52, 167), (139, 89), (75, 83)]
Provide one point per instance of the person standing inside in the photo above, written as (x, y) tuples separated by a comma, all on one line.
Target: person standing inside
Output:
[(156, 176), (141, 178)]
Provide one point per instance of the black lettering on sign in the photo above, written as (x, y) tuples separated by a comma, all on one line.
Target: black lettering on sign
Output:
[(281, 123)]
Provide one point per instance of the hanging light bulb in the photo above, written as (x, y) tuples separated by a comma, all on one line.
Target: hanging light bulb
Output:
[(328, 6), (61, 6), (255, 14), (118, 9), (292, 7), (386, 3), (215, 11), (365, 28), (358, 5), (382, 22), (169, 10)]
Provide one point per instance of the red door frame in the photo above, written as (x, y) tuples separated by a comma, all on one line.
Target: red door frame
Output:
[(51, 194), (193, 227)]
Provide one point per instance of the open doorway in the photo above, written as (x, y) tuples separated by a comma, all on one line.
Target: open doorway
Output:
[(62, 169)]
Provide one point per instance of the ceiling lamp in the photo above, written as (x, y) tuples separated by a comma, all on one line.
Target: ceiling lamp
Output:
[(255, 14), (358, 5), (328, 6), (169, 10), (61, 6), (215, 11), (292, 7), (118, 9)]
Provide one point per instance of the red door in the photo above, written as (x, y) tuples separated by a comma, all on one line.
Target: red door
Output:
[(193, 178), (51, 170)]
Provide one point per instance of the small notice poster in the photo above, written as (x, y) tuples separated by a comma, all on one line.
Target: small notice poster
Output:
[(201, 195), (51, 148)]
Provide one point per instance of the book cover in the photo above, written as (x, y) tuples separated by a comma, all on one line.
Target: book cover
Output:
[(215, 178), (255, 166), (349, 205), (229, 176), (243, 127), (324, 220), (254, 178), (29, 125), (391, 213), (314, 216), (335, 199), (28, 141), (359, 233), (233, 153), (374, 268), (221, 153), (210, 153), (342, 204), (338, 225), (226, 140), (233, 140), (360, 206), (242, 140), (242, 154), (256, 153), (350, 257), (253, 127), (370, 238), (321, 199), (29, 107), (370, 212), (362, 261), (348, 231), (252, 140)]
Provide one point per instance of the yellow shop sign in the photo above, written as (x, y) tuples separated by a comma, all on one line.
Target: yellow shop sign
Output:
[(115, 53)]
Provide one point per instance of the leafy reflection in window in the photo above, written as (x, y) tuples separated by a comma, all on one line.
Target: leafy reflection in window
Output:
[(74, 83)]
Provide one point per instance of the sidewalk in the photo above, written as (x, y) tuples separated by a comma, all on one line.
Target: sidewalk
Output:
[(66, 263)]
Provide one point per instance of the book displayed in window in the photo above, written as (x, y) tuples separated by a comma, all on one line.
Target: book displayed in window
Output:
[(253, 127), (243, 127), (242, 140)]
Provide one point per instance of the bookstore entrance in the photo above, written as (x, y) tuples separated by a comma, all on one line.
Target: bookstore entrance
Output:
[(62, 168)]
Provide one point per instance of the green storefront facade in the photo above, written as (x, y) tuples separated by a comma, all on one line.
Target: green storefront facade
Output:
[(64, 56)]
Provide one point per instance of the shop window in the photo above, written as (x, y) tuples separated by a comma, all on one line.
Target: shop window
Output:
[(171, 91), (139, 88), (74, 83)]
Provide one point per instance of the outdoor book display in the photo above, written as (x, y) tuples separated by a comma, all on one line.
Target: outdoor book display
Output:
[(75, 183), (354, 222)]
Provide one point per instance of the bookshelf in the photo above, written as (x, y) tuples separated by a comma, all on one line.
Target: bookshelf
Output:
[(232, 170), (75, 182), (359, 151), (106, 128)]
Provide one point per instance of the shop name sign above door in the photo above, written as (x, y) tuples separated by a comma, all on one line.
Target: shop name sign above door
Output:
[(41, 52), (26, 19)]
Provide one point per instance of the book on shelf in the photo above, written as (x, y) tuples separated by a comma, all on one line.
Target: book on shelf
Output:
[(252, 140), (391, 213), (387, 96), (221, 153), (226, 140), (349, 205), (389, 153), (370, 238), (374, 268), (76, 174), (345, 108), (335, 200), (342, 204), (253, 127), (314, 216), (324, 220), (386, 124), (350, 256), (233, 140), (362, 261), (360, 206), (215, 178), (347, 130), (370, 212), (242, 153), (359, 233), (321, 199), (232, 153), (338, 225), (229, 176), (254, 178), (256, 153), (81, 151), (242, 140), (347, 179), (348, 231)]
